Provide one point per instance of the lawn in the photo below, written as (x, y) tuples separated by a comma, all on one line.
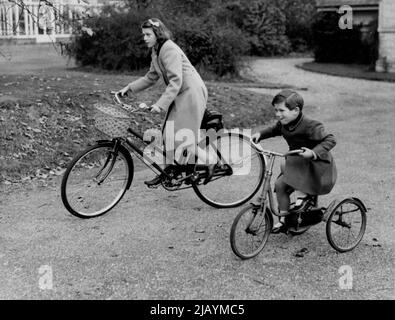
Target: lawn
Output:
[(46, 117), (348, 70)]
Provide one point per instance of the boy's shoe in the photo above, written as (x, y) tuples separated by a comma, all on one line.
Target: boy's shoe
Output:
[(279, 227), (301, 204)]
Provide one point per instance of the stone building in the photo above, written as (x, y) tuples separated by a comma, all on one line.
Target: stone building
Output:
[(386, 61), (366, 11)]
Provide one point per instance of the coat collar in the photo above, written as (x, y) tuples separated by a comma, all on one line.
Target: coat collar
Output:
[(157, 47), (295, 123)]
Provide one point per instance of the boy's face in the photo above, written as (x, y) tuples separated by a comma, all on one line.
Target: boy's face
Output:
[(284, 115)]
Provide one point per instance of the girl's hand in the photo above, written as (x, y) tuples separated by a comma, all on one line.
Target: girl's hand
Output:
[(143, 106), (255, 137), (155, 108), (307, 153), (124, 91)]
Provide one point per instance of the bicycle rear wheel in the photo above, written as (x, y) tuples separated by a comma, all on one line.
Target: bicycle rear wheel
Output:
[(96, 180), (250, 231), (244, 177), (346, 225)]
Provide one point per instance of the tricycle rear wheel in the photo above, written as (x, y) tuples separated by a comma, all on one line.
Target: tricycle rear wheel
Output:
[(346, 224)]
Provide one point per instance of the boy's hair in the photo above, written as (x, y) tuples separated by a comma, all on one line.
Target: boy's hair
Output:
[(291, 98), (160, 30)]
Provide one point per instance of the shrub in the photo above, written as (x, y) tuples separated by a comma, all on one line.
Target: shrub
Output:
[(115, 42), (210, 45), (263, 25), (299, 18)]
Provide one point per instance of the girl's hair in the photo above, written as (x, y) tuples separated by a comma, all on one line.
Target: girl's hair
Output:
[(160, 30), (291, 98)]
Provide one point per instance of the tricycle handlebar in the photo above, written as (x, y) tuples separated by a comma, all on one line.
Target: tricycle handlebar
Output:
[(293, 152), (277, 154)]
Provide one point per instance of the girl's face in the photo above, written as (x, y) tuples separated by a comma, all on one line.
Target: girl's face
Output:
[(284, 115), (149, 37)]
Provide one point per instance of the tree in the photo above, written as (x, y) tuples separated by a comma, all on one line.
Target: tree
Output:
[(299, 16)]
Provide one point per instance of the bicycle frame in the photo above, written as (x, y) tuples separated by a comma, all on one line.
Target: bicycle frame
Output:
[(135, 149), (152, 165), (267, 197)]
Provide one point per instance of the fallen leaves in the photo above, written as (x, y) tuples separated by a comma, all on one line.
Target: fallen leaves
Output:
[(46, 119), (301, 253)]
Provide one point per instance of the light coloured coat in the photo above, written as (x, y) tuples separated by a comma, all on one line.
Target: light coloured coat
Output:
[(185, 97)]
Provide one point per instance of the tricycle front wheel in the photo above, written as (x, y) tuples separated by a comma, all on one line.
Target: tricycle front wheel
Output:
[(250, 231)]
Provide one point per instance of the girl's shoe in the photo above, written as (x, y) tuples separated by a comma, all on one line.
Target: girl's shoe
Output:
[(210, 173), (155, 181)]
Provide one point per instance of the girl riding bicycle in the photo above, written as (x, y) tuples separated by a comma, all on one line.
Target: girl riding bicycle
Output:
[(314, 172), (184, 99)]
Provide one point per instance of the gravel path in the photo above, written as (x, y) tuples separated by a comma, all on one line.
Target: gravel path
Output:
[(161, 245)]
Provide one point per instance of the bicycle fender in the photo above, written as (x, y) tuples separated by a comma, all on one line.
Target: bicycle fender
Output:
[(360, 202), (102, 141), (128, 157), (329, 209), (270, 214)]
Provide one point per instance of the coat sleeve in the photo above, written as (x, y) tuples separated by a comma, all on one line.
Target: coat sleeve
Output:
[(172, 62), (271, 131), (325, 141), (145, 82)]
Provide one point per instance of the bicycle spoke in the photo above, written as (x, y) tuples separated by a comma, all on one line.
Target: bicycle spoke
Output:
[(247, 168), (95, 182), (246, 240)]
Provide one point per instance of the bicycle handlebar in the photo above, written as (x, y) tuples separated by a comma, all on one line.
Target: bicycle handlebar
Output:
[(116, 97), (117, 100)]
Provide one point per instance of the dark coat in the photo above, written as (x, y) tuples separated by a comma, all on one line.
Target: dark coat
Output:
[(314, 177)]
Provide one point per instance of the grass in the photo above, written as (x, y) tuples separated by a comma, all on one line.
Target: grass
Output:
[(348, 70), (47, 117)]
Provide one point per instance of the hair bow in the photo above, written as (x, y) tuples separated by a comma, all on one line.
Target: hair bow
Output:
[(154, 23)]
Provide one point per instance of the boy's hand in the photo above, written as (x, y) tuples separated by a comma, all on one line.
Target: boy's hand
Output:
[(255, 137), (307, 153)]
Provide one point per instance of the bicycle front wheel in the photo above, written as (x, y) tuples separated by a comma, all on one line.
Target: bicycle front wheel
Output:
[(250, 231), (244, 177), (96, 180), (346, 225)]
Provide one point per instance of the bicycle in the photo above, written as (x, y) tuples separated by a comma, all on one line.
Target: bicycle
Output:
[(345, 220), (98, 177)]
